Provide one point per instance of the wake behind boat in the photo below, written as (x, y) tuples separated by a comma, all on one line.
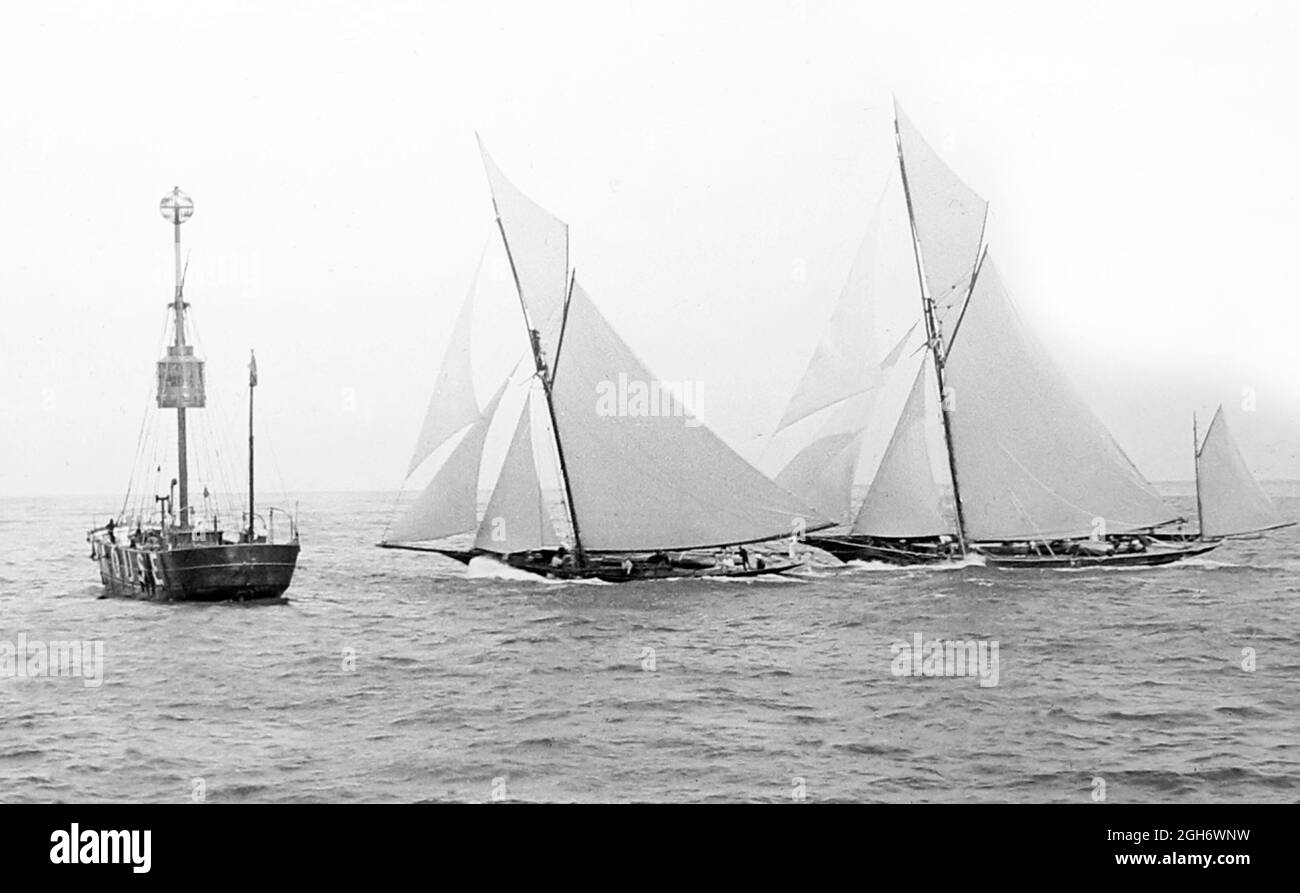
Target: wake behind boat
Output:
[(645, 490), (165, 549)]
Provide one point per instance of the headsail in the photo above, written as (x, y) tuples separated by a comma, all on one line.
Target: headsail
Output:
[(822, 472), (449, 504), (538, 245), (516, 519), (1034, 461), (840, 366), (453, 404), (645, 474), (904, 500), (1231, 501), (948, 217)]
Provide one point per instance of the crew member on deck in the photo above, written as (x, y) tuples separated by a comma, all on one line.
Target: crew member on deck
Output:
[(560, 558), (744, 558), (112, 537)]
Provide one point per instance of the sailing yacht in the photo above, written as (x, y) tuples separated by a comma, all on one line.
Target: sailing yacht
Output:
[(1036, 479), (164, 547), (646, 490), (1230, 503)]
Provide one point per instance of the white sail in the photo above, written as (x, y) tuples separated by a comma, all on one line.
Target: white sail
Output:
[(449, 504), (645, 474), (1032, 460), (1231, 501), (538, 245), (822, 473), (516, 519), (904, 500), (453, 404), (841, 364), (949, 219), (824, 470)]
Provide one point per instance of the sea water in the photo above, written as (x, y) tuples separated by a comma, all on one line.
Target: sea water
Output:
[(396, 676)]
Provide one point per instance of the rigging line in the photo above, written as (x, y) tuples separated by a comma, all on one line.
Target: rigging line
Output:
[(144, 419), (952, 339), (218, 436)]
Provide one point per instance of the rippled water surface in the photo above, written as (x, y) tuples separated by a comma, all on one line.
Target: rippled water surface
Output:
[(672, 691)]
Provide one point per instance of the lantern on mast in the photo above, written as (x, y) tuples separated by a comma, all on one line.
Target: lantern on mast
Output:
[(180, 373)]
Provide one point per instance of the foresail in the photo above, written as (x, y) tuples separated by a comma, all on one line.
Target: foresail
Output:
[(1033, 461), (949, 219), (516, 519), (1231, 501), (842, 363), (646, 474), (449, 504), (453, 404), (904, 500), (538, 245), (822, 473)]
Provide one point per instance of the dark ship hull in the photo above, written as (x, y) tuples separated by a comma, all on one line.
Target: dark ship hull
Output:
[(203, 573), (1152, 557), (1163, 550), (610, 568), (890, 551)]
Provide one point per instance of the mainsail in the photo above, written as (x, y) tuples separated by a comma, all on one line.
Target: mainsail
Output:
[(904, 500), (538, 245), (1230, 500), (645, 473), (948, 217), (449, 504), (1033, 461), (516, 519)]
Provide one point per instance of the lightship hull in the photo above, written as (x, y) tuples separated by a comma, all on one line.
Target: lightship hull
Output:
[(206, 573)]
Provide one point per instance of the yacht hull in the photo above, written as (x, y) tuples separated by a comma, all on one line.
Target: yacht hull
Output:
[(608, 568)]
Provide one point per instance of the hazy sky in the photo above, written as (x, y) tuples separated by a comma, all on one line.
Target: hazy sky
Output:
[(1142, 160)]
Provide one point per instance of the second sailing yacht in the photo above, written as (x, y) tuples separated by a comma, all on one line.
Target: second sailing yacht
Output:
[(1036, 478), (646, 490)]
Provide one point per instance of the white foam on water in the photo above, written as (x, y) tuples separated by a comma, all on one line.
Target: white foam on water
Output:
[(484, 567)]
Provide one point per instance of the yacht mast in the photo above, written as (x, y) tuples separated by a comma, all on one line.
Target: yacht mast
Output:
[(1196, 462), (934, 339), (546, 374)]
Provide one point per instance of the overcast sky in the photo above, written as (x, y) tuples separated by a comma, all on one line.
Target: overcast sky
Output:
[(1142, 160)]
